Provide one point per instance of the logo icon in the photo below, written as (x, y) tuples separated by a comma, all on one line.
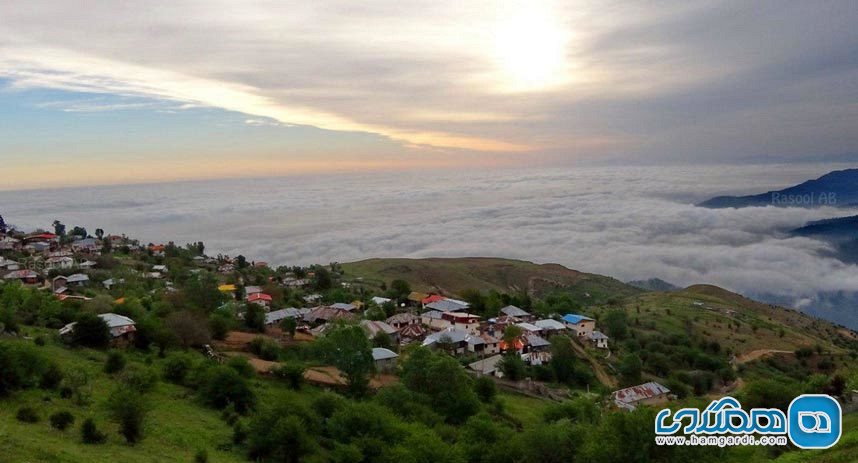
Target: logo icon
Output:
[(814, 421)]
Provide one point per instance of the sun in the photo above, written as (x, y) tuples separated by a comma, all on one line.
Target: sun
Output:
[(530, 50)]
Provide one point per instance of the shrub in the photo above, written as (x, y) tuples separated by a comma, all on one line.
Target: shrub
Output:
[(90, 434), (265, 348), (62, 420), (291, 373), (485, 388), (27, 415), (40, 340), (201, 456), (115, 362), (176, 368), (221, 386), (51, 377), (129, 410), (242, 366), (239, 433), (21, 367), (139, 378)]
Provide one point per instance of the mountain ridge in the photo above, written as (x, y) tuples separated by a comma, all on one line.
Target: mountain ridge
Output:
[(838, 188)]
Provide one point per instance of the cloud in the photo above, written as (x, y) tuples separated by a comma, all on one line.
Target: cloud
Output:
[(630, 223), (686, 79)]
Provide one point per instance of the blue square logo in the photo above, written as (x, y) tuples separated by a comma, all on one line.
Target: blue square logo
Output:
[(814, 421)]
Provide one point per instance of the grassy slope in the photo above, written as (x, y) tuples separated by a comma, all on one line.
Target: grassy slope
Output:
[(712, 321), (451, 276), (176, 426)]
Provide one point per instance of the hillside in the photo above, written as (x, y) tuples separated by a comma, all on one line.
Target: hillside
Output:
[(452, 276), (653, 284), (841, 233), (838, 188)]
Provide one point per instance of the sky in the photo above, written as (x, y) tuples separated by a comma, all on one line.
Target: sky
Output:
[(127, 92)]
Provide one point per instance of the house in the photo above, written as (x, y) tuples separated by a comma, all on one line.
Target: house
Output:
[(434, 320), (323, 314), (384, 359), (373, 328), (260, 298), (462, 321), (416, 298), (581, 325), (488, 366), (550, 327), (227, 288), (344, 306), (380, 301), (411, 333), (650, 393), (599, 338), (59, 263), (111, 282), (513, 311), (251, 290), (432, 298), (529, 328), (7, 243), (27, 277), (277, 316), (8, 264), (122, 328), (402, 320), (159, 268), (157, 250), (537, 350), (87, 264), (491, 345), (459, 342), (86, 245), (447, 305), (59, 284), (78, 279)]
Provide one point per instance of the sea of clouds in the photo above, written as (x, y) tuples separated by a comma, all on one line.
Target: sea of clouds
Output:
[(626, 222)]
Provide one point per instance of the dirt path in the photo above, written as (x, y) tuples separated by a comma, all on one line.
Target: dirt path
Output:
[(759, 353), (600, 372)]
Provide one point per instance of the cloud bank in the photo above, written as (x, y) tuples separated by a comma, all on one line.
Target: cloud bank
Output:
[(630, 223)]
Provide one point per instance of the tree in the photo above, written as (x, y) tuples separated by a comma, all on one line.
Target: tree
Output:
[(99, 233), (115, 362), (90, 433), (485, 388), (79, 231), (61, 420), (190, 330), (630, 369), (322, 280), (241, 262), (91, 331), (221, 386), (254, 317), (513, 367), (616, 324), (563, 358), (59, 228), (444, 381), (399, 289), (348, 349), (128, 409), (202, 292), (282, 433), (3, 228), (289, 325), (510, 334)]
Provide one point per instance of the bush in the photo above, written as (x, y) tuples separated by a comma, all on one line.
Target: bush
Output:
[(51, 377), (264, 348), (241, 366), (40, 340), (139, 378), (239, 433), (221, 386), (485, 388), (62, 420), (90, 434), (27, 415), (176, 368), (115, 362), (201, 456), (129, 410), (21, 366), (291, 373)]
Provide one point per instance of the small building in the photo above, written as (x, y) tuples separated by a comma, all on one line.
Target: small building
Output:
[(650, 393), (385, 360), (380, 301), (27, 277), (581, 325), (411, 333), (344, 306), (260, 298), (251, 290), (227, 288), (513, 311), (447, 305), (276, 316), (529, 328), (78, 280), (599, 339), (488, 366), (550, 327), (86, 245), (463, 321), (159, 268), (373, 328), (59, 263), (402, 320), (122, 328), (416, 298)]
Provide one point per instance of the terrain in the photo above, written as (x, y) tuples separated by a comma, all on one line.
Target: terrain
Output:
[(841, 233), (838, 188)]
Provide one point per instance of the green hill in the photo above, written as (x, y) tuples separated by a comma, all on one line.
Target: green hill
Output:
[(452, 276)]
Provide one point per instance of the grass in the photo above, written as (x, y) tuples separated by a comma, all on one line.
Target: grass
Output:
[(176, 425)]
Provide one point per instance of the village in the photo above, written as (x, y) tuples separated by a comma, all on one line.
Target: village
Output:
[(68, 267)]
